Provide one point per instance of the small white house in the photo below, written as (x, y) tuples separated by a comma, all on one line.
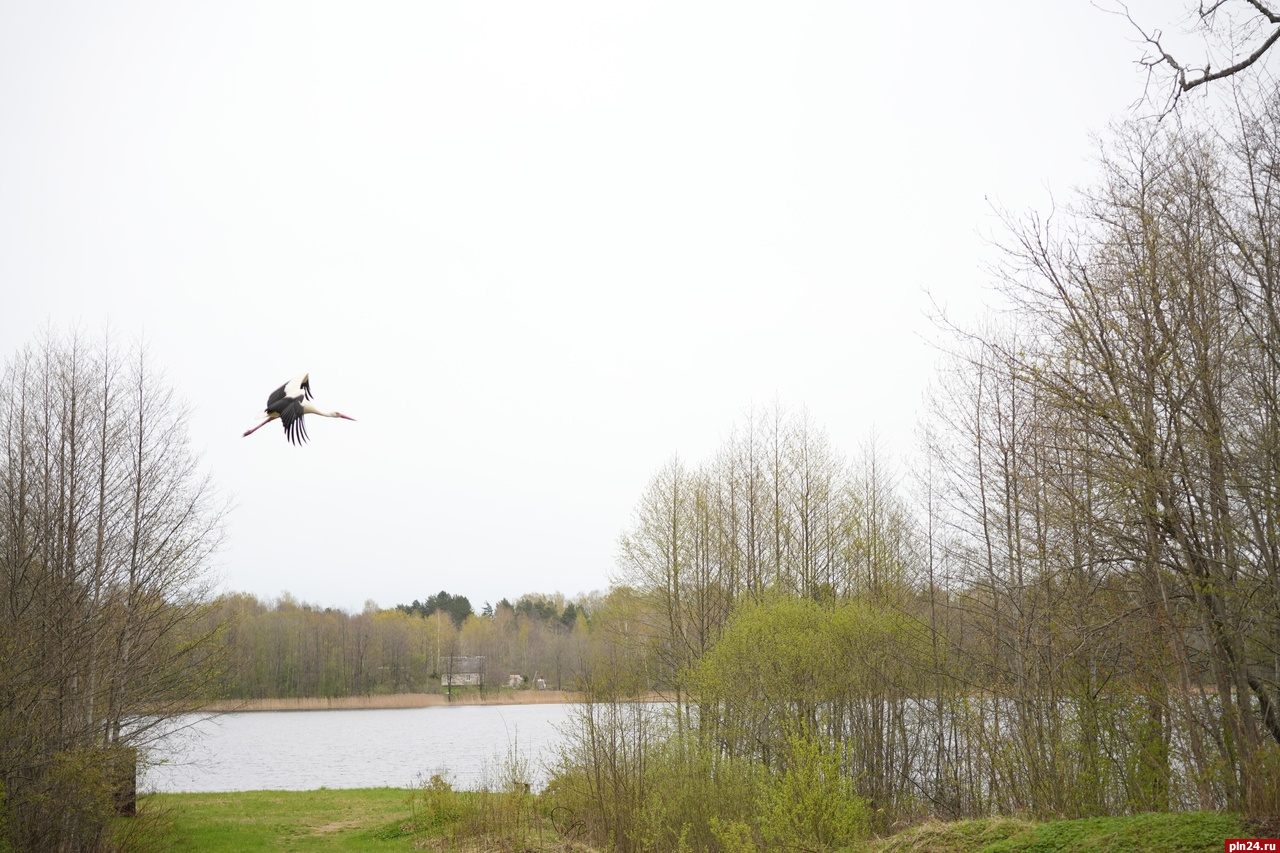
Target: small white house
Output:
[(463, 671)]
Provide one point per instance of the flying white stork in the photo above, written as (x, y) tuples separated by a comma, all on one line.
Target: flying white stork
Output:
[(289, 403)]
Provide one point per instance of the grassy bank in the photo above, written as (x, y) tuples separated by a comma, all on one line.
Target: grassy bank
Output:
[(372, 819), (392, 819), (1194, 832)]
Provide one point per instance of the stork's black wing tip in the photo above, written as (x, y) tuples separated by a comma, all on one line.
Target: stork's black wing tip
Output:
[(296, 431)]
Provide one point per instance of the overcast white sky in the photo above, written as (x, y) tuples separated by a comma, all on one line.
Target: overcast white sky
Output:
[(535, 248)]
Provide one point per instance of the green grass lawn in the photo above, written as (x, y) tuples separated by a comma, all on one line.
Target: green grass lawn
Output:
[(394, 819), (325, 820)]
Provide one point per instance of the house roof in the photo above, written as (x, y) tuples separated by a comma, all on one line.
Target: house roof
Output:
[(461, 664)]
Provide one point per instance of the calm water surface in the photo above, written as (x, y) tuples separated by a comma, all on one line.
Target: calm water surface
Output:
[(303, 750)]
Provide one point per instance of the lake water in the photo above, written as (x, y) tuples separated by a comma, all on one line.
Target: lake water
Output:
[(303, 750)]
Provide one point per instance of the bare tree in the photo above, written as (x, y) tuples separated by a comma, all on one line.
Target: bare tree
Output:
[(1152, 320), (106, 529), (657, 557)]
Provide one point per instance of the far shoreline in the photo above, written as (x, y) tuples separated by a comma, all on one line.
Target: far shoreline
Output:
[(392, 701)]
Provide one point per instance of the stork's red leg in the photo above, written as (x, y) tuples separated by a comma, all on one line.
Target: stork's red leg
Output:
[(259, 426)]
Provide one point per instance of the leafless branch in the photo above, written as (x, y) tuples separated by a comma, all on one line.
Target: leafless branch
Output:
[(1187, 76)]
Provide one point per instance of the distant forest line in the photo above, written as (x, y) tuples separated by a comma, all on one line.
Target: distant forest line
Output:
[(290, 649)]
